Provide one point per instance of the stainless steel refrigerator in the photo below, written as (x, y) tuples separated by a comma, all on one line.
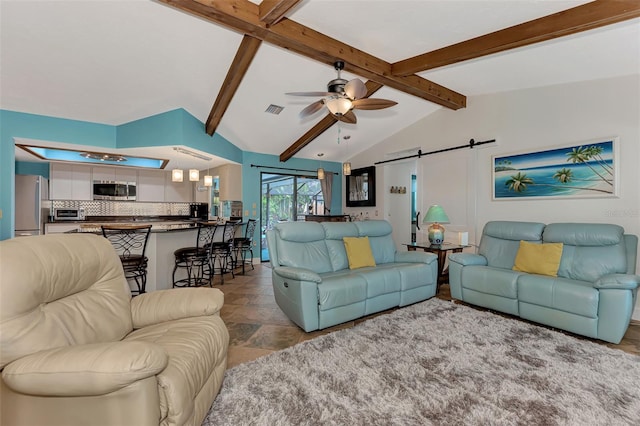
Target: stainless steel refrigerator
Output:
[(31, 214)]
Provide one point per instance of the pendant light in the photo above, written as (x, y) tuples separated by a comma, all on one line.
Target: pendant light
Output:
[(176, 175), (194, 175), (320, 173), (208, 179), (346, 167)]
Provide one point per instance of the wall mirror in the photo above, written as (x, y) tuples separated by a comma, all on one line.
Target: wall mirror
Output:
[(360, 187)]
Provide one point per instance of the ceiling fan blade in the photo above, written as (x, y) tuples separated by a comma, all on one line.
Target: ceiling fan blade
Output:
[(355, 89), (349, 117), (308, 93), (373, 103), (312, 109)]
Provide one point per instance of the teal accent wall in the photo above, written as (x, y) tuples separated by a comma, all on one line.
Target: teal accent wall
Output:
[(31, 168), (176, 127), (251, 177), (37, 127)]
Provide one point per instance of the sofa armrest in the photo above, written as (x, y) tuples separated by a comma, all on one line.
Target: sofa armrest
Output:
[(299, 274), (85, 370), (415, 257), (467, 259), (617, 281), (176, 303)]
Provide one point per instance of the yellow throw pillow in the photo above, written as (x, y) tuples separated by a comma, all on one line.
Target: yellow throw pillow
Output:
[(543, 259), (358, 252)]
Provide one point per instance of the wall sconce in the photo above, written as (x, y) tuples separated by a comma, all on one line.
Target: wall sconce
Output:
[(176, 175)]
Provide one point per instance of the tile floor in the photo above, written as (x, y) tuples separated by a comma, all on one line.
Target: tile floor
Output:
[(258, 327)]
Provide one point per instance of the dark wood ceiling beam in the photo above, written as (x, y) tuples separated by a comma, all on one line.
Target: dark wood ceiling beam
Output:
[(321, 127), (581, 18), (245, 54), (271, 11), (243, 16)]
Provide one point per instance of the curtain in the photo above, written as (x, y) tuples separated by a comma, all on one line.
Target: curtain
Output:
[(325, 186)]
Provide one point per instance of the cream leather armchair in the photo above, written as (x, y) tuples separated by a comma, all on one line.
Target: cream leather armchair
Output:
[(75, 348)]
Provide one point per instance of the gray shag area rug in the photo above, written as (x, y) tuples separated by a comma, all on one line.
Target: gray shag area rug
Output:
[(435, 363)]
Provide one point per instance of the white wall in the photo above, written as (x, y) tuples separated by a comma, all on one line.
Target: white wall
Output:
[(523, 120)]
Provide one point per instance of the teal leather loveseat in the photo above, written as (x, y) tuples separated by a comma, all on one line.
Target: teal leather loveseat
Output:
[(593, 294), (314, 286)]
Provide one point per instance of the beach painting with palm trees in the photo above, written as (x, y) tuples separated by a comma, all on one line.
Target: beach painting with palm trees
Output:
[(586, 170)]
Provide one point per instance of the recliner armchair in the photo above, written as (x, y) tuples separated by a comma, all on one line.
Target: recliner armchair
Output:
[(75, 348)]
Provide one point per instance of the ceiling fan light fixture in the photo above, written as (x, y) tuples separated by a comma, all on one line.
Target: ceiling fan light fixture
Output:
[(338, 105), (176, 175)]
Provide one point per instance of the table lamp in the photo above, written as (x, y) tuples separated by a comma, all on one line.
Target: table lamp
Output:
[(436, 215)]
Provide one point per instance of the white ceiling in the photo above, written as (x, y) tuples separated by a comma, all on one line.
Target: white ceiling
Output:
[(113, 62)]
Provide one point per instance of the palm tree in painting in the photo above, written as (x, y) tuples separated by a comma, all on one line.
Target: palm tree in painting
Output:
[(563, 175), (583, 155), (519, 182), (595, 152)]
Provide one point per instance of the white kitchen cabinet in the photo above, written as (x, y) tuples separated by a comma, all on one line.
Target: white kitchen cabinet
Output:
[(59, 228), (151, 185), (70, 182), (115, 174), (230, 181)]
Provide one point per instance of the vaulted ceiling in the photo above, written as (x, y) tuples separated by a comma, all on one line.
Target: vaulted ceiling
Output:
[(226, 61)]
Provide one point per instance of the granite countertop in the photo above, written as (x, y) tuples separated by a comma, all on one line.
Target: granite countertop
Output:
[(92, 224)]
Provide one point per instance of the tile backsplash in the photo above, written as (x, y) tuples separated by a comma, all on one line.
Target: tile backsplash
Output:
[(124, 208)]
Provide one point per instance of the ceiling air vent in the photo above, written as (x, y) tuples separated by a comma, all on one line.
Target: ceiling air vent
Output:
[(274, 109)]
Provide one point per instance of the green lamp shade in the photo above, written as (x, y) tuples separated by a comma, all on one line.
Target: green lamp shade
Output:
[(436, 214)]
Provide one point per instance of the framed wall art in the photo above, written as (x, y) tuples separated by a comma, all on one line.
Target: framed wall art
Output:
[(584, 170), (360, 190)]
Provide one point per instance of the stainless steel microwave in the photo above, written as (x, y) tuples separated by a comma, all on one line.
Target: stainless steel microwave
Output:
[(116, 191)]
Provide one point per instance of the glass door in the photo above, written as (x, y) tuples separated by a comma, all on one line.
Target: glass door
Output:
[(286, 198)]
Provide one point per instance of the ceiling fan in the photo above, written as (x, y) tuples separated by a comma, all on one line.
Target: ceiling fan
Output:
[(342, 97)]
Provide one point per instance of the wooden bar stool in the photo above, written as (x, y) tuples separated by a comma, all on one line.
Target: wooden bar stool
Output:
[(130, 242)]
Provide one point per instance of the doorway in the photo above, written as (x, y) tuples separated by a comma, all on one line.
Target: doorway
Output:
[(286, 198), (400, 206)]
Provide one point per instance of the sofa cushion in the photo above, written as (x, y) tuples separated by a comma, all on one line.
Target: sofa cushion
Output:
[(334, 233), (340, 289), (501, 240), (576, 297), (543, 259), (496, 281), (381, 280), (590, 250), (56, 282), (358, 252), (379, 233), (302, 245)]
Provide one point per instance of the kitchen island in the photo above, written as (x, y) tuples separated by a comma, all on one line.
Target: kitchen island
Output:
[(165, 238)]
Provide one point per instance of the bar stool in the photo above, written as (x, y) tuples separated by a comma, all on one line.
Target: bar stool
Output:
[(222, 251), (130, 242), (245, 244), (196, 261)]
